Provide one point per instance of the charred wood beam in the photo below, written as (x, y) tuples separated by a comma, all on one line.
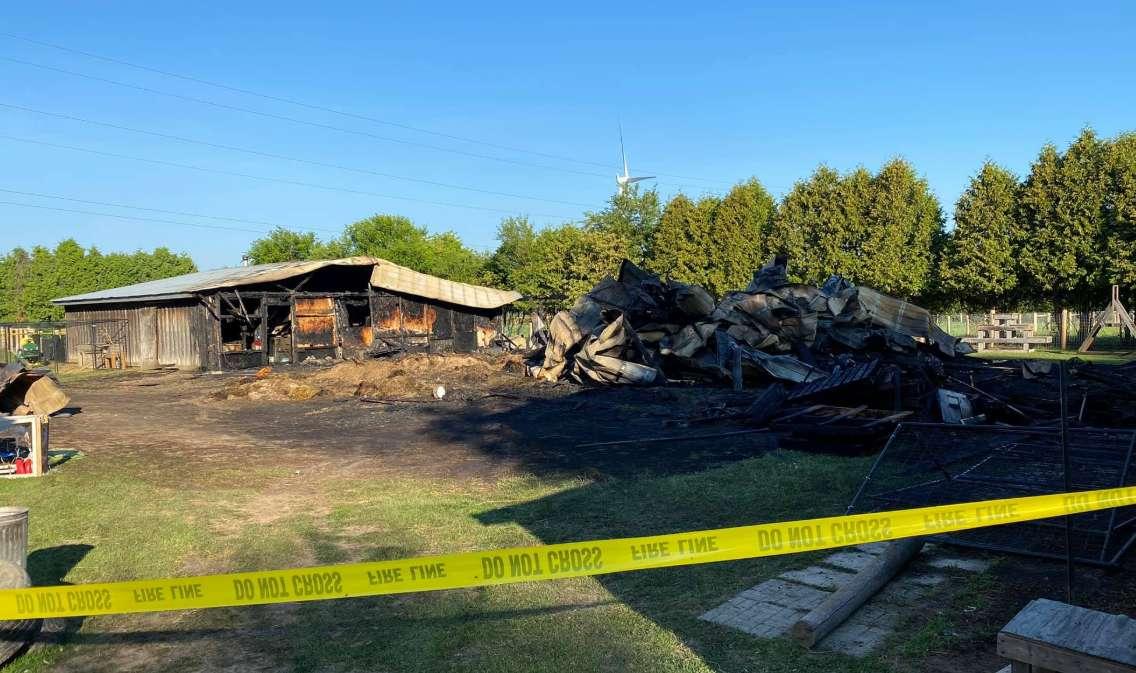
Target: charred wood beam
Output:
[(231, 305), (209, 308), (244, 310), (301, 284)]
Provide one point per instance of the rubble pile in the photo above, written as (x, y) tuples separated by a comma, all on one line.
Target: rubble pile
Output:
[(838, 363), (641, 330)]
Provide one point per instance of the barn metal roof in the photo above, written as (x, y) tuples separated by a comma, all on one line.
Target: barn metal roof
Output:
[(395, 278)]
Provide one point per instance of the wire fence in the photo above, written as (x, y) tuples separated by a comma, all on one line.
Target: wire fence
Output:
[(1039, 324), (39, 341)]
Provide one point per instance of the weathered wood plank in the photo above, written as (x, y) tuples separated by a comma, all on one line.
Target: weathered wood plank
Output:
[(1063, 637)]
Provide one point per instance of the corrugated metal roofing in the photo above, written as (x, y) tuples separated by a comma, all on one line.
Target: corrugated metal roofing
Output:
[(192, 283), (386, 275), (397, 278)]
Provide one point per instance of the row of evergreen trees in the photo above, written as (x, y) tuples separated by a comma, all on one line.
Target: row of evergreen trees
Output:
[(1064, 234), (1061, 236)]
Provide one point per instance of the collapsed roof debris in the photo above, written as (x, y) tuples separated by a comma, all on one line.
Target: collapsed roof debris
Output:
[(639, 329)]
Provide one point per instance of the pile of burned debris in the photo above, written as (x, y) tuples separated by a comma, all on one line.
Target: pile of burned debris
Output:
[(836, 362), (639, 329)]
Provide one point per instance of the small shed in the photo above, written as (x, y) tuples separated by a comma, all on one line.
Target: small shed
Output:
[(284, 312)]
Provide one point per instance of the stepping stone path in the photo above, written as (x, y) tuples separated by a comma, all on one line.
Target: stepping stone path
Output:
[(769, 609)]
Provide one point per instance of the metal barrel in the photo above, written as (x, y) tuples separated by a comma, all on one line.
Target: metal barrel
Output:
[(14, 536)]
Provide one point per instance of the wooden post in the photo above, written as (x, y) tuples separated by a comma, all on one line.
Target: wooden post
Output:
[(840, 605), (262, 330), (1063, 328), (949, 324), (736, 369)]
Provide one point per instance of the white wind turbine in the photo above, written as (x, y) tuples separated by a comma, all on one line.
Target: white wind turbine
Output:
[(626, 179)]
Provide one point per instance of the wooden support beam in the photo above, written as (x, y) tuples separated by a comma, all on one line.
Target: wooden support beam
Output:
[(262, 332), (244, 311)]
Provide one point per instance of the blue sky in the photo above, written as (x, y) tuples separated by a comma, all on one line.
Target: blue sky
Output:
[(707, 93)]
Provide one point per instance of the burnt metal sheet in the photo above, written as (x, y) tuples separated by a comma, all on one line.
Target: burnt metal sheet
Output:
[(314, 323), (838, 379), (386, 315), (465, 334), (417, 318)]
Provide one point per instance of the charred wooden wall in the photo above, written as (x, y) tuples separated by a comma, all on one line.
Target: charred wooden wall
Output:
[(416, 323), (168, 333)]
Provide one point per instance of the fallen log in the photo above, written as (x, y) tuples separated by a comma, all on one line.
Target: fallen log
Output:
[(825, 618)]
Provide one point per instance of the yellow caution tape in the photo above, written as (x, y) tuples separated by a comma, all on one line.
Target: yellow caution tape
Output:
[(547, 562)]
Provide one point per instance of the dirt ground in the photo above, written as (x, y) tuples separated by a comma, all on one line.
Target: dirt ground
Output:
[(491, 425)]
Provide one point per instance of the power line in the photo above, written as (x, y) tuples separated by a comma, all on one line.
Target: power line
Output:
[(160, 210), (129, 217), (294, 120), (271, 155), (296, 183), (331, 110)]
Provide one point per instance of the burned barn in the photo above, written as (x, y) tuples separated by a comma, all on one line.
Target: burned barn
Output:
[(285, 312)]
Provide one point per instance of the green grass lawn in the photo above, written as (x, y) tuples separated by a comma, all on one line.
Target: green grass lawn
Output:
[(92, 522)]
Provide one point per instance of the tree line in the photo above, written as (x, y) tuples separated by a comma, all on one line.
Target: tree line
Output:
[(1059, 236), (29, 280)]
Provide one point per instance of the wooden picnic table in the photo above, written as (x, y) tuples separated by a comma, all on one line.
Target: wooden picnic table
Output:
[(1006, 334)]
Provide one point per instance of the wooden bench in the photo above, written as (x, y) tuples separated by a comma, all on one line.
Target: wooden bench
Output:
[(1025, 343), (1052, 637), (1002, 333)]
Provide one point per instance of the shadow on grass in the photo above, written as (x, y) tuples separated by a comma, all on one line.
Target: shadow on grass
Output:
[(347, 618), (778, 486), (48, 567), (542, 436)]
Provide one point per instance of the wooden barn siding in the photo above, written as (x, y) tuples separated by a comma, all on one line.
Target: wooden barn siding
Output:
[(179, 330), (180, 334)]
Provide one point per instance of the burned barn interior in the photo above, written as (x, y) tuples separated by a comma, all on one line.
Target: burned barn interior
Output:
[(295, 312)]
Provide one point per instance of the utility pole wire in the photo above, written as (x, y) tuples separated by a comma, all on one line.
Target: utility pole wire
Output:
[(284, 157), (160, 210), (294, 120), (331, 110), (285, 181), (131, 217)]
